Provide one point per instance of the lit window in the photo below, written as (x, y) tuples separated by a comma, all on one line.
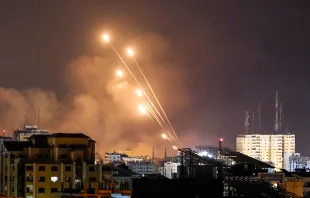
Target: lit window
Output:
[(54, 179)]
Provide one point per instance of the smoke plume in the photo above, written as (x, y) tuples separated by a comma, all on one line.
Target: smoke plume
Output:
[(97, 103)]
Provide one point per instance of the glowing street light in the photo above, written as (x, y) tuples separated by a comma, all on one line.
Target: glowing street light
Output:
[(119, 73), (130, 52), (105, 38), (139, 92), (142, 109)]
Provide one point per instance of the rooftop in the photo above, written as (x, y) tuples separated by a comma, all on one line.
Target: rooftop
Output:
[(16, 145), (69, 135)]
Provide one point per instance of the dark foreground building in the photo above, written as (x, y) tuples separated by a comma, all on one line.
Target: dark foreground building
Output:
[(189, 188)]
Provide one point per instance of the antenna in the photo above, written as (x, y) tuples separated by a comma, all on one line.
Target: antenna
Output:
[(153, 154), (253, 121), (246, 122), (281, 117), (276, 124), (165, 153), (38, 122), (258, 116)]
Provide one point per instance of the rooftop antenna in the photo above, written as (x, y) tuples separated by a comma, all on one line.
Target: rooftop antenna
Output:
[(246, 122), (253, 121), (165, 153), (276, 124), (281, 117), (153, 153), (38, 117), (258, 116)]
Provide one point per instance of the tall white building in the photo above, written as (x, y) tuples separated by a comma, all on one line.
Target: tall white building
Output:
[(170, 169), (266, 147), (294, 161)]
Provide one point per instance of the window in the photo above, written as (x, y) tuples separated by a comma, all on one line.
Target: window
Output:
[(54, 168), (41, 190), (68, 168), (91, 169), (29, 168), (68, 179), (12, 189), (54, 190), (41, 168), (54, 179), (92, 179), (41, 179)]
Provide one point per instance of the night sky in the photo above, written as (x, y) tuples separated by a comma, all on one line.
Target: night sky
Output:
[(227, 55)]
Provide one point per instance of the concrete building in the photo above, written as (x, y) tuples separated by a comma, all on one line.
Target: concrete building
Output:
[(142, 167), (294, 161), (28, 131), (170, 169), (46, 164), (266, 147), (112, 157), (126, 160)]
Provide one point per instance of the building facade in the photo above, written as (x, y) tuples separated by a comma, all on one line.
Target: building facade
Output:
[(293, 161), (266, 147), (47, 164), (28, 131), (170, 169), (112, 157), (142, 167)]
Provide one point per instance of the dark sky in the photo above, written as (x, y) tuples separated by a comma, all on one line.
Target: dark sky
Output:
[(231, 54)]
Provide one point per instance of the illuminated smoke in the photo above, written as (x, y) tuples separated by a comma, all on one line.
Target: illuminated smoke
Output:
[(98, 103)]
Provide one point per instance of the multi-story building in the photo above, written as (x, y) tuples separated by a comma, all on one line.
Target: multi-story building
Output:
[(50, 163), (141, 167), (293, 161), (112, 157), (28, 131), (126, 160), (266, 147), (170, 169)]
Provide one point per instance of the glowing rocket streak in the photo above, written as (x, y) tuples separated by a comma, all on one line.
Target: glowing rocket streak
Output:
[(139, 92), (148, 98), (142, 109), (107, 40), (130, 52), (119, 73)]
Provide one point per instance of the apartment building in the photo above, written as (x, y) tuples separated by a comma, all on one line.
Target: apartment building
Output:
[(46, 164), (266, 147), (28, 131), (142, 167)]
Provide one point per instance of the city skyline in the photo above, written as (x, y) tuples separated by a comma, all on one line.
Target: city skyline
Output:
[(208, 66)]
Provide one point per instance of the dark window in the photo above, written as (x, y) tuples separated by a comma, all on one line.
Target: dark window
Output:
[(12, 189), (54, 168), (41, 168), (41, 179), (29, 168), (54, 190), (91, 169), (68, 168), (13, 168), (68, 179), (41, 190), (92, 179)]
